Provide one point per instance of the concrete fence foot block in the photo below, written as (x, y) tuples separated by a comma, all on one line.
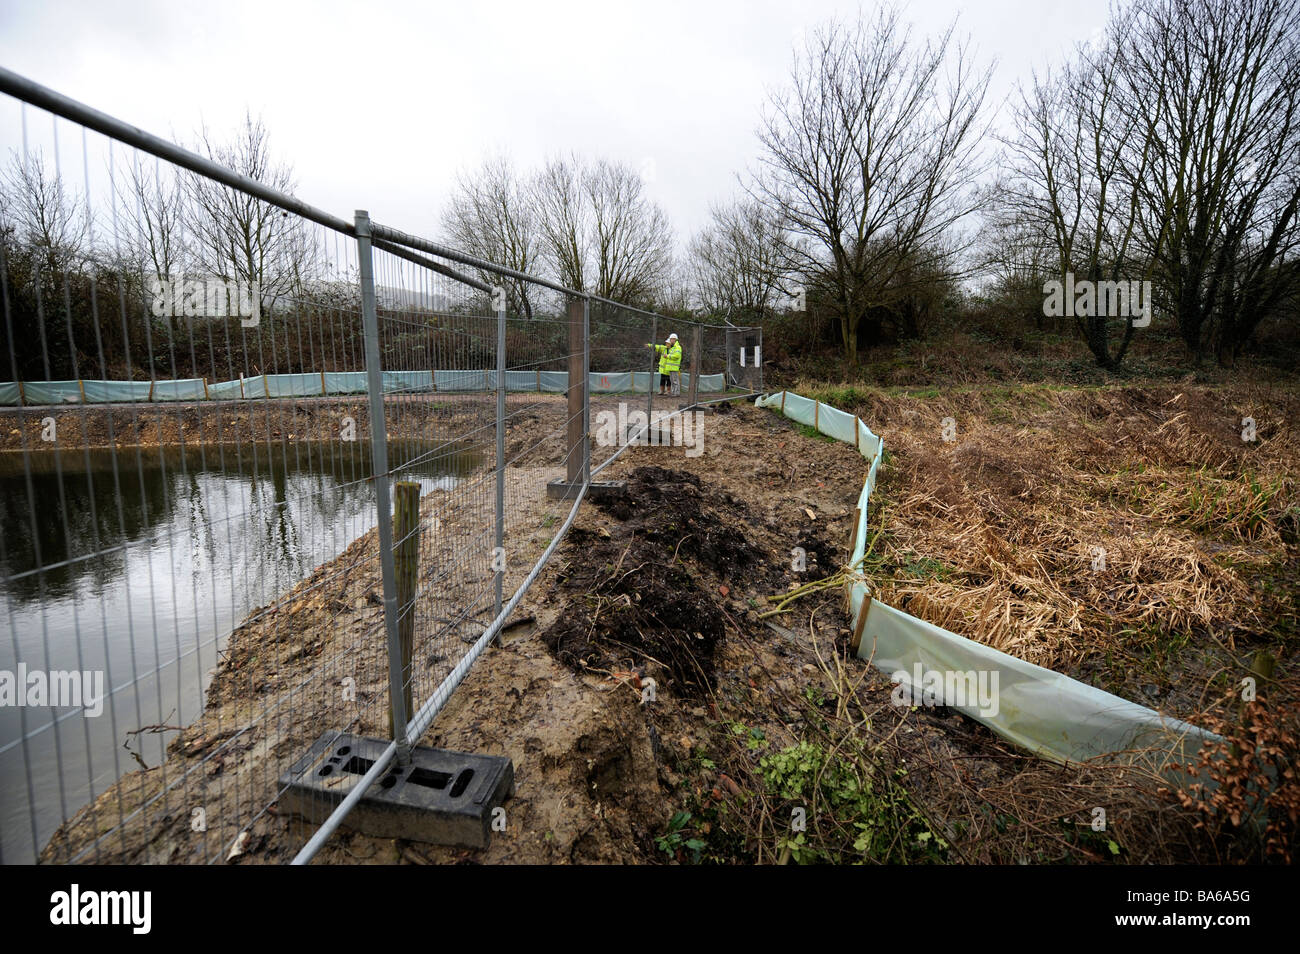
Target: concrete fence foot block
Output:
[(560, 489), (441, 798)]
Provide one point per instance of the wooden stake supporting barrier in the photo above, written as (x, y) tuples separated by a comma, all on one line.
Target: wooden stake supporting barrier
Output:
[(817, 410), (406, 562), (782, 402), (853, 542), (323, 391), (860, 625), (81, 386), (205, 389)]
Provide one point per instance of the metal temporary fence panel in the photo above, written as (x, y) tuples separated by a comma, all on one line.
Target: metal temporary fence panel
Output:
[(202, 570), (257, 536)]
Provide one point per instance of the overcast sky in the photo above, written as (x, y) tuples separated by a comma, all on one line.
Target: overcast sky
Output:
[(378, 104)]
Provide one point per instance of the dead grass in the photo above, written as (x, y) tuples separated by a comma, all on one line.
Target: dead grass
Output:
[(1064, 526)]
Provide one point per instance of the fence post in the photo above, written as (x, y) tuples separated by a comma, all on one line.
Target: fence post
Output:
[(577, 391), (499, 554), (586, 391), (650, 387), (695, 366), (379, 467), (406, 565), (729, 342)]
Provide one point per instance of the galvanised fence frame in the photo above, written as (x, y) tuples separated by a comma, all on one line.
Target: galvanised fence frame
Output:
[(443, 371)]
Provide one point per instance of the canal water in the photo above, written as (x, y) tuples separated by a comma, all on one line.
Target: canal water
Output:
[(137, 563)]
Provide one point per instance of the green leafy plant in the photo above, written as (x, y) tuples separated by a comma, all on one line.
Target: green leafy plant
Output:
[(851, 809), (679, 838)]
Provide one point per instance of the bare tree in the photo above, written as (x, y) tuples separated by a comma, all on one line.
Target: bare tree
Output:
[(43, 213), (1017, 252), (737, 263), (491, 215), (153, 203), (238, 237), (868, 154), (1167, 153), (1075, 160), (632, 241), (602, 233), (676, 291), (565, 219), (46, 253), (1223, 192)]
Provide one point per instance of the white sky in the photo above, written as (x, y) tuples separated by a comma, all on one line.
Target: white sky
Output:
[(378, 104)]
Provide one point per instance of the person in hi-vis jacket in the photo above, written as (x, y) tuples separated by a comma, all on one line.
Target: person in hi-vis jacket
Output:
[(670, 364)]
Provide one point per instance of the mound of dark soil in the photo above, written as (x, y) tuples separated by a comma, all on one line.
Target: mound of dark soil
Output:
[(672, 508), (642, 590)]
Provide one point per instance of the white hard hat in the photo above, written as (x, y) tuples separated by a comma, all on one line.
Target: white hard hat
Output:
[(672, 336)]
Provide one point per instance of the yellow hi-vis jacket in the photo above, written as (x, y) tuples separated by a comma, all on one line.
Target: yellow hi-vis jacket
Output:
[(670, 359)]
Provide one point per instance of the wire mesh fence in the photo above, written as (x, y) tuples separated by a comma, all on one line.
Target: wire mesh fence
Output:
[(257, 493), (152, 551)]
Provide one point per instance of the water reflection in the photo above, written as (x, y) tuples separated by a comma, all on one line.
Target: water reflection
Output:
[(139, 562)]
